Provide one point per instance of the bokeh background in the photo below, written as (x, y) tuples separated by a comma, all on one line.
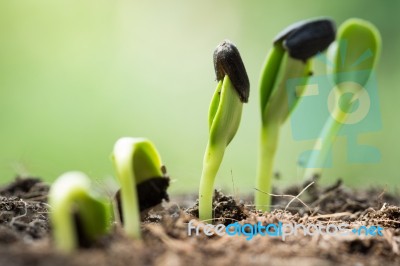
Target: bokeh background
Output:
[(77, 75)]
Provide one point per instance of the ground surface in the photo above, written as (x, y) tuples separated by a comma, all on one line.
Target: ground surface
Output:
[(25, 232)]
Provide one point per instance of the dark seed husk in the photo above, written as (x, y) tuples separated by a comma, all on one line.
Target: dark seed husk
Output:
[(305, 39), (151, 192), (227, 61)]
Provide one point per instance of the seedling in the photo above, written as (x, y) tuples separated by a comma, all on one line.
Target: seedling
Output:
[(223, 117), (289, 58), (142, 179), (78, 215), (355, 38)]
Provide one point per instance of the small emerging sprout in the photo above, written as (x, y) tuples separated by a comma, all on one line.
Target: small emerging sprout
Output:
[(142, 179), (355, 38), (78, 216), (289, 58), (223, 118)]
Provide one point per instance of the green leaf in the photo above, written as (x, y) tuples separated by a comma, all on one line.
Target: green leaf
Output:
[(278, 108), (269, 75), (227, 116), (214, 104), (355, 52)]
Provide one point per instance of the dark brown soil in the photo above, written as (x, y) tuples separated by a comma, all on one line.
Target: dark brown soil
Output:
[(23, 211), (226, 209), (25, 233)]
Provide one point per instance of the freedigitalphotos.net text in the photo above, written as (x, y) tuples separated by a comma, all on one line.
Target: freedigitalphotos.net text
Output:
[(282, 230)]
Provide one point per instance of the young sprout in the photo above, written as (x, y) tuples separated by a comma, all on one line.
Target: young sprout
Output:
[(356, 39), (142, 179), (223, 117), (289, 58), (78, 215)]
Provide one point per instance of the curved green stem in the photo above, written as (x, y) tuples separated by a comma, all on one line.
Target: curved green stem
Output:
[(78, 216), (212, 161), (129, 199), (327, 137), (123, 159)]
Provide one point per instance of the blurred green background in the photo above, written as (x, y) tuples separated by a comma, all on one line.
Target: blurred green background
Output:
[(77, 75)]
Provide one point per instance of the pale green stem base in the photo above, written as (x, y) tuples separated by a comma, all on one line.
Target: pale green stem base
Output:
[(129, 200), (63, 226), (212, 160), (268, 146)]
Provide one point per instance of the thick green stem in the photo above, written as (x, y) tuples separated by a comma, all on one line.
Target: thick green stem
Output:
[(130, 202), (268, 144), (64, 230), (123, 156), (212, 160)]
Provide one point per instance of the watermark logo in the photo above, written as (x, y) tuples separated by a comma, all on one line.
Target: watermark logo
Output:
[(324, 98), (282, 230)]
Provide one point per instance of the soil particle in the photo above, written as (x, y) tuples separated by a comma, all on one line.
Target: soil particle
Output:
[(225, 209)]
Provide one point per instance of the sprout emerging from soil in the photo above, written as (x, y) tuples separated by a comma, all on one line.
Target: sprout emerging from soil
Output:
[(142, 179), (223, 118), (356, 39), (78, 215), (289, 58)]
